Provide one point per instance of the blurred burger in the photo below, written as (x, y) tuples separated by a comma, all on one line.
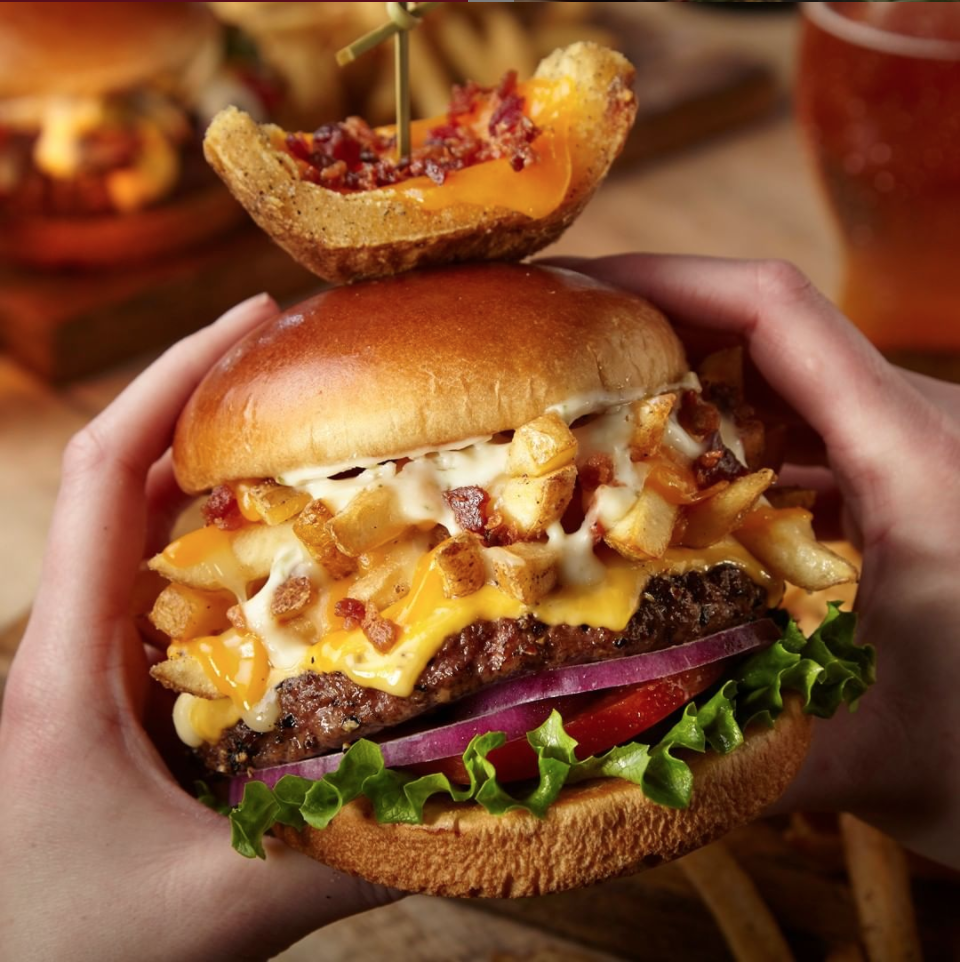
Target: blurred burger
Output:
[(484, 527), (102, 110)]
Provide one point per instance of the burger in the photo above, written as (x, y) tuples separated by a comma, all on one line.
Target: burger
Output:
[(485, 599), (102, 111)]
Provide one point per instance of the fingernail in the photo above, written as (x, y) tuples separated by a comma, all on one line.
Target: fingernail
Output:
[(245, 307)]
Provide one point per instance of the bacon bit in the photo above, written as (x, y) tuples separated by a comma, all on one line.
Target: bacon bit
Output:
[(498, 533), (596, 470), (381, 632), (351, 611), (221, 509), (469, 507), (717, 463), (292, 598), (236, 618), (697, 416), (351, 155)]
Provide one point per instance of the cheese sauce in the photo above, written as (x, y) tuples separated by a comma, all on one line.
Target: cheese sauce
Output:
[(599, 592)]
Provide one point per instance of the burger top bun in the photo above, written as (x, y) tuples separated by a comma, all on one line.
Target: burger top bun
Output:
[(84, 49), (414, 362), (595, 830)]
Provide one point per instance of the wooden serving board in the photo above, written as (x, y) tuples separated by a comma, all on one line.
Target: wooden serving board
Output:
[(67, 325)]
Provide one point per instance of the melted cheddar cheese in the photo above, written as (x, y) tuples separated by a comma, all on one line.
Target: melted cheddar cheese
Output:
[(536, 191)]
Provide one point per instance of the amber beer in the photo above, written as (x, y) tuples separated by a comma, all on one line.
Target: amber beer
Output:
[(879, 97)]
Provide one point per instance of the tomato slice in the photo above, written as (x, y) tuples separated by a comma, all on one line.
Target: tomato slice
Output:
[(597, 721)]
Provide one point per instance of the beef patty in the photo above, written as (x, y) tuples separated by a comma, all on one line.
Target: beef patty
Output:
[(322, 712)]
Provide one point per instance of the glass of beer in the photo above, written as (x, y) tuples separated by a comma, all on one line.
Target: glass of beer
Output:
[(879, 98)]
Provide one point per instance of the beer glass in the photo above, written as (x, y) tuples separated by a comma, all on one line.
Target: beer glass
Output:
[(879, 98)]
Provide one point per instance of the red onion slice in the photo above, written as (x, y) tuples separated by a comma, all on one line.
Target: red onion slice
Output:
[(517, 707), (425, 746), (632, 670)]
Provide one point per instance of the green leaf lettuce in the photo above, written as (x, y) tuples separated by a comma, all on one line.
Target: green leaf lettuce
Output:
[(826, 669)]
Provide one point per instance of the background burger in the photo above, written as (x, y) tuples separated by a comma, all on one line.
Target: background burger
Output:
[(483, 526), (102, 109)]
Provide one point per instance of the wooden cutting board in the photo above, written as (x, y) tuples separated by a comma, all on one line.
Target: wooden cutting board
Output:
[(67, 325)]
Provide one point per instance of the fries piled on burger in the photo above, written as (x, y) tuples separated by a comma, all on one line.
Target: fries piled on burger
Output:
[(485, 601)]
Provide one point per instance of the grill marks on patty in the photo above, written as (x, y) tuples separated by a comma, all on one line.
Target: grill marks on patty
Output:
[(321, 712)]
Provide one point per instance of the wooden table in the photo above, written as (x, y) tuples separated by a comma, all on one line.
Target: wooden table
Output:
[(748, 194)]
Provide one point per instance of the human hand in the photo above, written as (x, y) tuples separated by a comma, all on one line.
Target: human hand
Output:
[(892, 445), (105, 855)]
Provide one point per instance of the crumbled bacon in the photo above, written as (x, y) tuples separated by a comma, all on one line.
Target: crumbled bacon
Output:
[(498, 532), (292, 598), (351, 611), (596, 470), (717, 463), (221, 509), (351, 155), (381, 632), (469, 507), (697, 416)]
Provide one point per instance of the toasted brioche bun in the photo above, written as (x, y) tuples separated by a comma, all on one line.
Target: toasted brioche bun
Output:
[(115, 240), (596, 830), (344, 237), (96, 48), (415, 362)]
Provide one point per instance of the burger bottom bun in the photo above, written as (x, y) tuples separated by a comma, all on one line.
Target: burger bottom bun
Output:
[(597, 830), (118, 240)]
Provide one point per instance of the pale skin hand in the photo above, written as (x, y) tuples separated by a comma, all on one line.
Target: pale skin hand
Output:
[(892, 442), (104, 855)]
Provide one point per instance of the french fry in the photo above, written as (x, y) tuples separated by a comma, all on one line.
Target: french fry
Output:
[(273, 503), (182, 613), (551, 36), (372, 518), (880, 880), (572, 12), (462, 570), (183, 673), (387, 571), (531, 505), (247, 556), (723, 370), (508, 48), (783, 540), (790, 496), (747, 924), (292, 598), (808, 608), (712, 519), (541, 446), (815, 841), (526, 570), (382, 585), (463, 45), (312, 528), (429, 83), (644, 532), (650, 417), (846, 952)]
